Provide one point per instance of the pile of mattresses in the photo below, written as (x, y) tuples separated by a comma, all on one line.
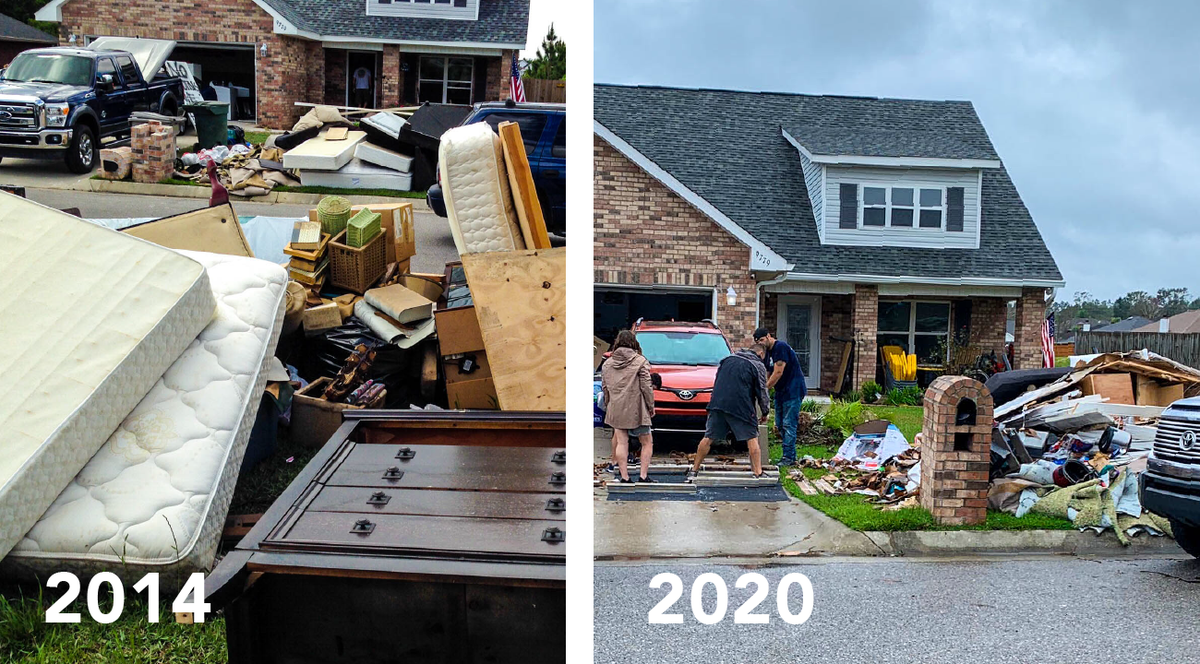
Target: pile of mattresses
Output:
[(478, 194), (135, 375)]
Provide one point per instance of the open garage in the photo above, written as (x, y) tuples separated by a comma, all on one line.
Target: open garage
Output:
[(228, 67), (617, 307)]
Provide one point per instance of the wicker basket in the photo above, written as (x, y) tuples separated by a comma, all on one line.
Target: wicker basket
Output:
[(333, 212), (353, 268)]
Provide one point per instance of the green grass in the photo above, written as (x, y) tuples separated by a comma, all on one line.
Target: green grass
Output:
[(257, 137), (26, 638), (857, 512), (1062, 361), (257, 489)]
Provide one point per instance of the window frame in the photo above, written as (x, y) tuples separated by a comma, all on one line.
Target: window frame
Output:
[(888, 205), (912, 332), (445, 80)]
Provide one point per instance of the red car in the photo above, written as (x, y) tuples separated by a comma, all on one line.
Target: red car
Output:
[(685, 357)]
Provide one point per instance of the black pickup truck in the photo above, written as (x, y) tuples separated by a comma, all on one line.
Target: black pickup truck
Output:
[(61, 102), (1170, 487)]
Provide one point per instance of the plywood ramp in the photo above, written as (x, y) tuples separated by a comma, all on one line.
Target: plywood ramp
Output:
[(521, 302)]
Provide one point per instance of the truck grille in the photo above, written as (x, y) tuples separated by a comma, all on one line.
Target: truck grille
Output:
[(17, 116), (1167, 441)]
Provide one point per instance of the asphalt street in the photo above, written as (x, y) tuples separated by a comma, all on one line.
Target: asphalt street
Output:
[(1061, 610), (435, 245)]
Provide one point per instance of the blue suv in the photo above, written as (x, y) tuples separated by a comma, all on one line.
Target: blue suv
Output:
[(544, 128)]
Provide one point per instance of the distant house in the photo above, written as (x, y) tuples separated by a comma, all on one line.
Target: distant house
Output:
[(1128, 325), (1188, 321), (15, 37)]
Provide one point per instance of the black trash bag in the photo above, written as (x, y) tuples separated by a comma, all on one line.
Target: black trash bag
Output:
[(326, 353), (1008, 385), (237, 135)]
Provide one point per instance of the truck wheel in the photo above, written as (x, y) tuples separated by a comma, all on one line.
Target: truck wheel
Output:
[(1188, 537), (81, 155)]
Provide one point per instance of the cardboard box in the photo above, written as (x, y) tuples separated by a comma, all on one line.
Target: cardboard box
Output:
[(324, 317), (400, 303), (314, 420), (473, 391), (599, 348), (455, 375), (458, 331), (397, 219), (1150, 392), (1116, 387)]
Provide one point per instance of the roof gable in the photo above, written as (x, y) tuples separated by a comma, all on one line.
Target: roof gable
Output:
[(730, 149)]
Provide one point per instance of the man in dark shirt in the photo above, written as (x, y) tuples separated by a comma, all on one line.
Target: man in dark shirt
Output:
[(788, 380), (740, 385)]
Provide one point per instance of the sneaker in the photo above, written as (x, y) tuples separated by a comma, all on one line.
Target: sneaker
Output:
[(784, 463), (690, 477), (612, 468), (634, 461), (625, 480), (647, 480)]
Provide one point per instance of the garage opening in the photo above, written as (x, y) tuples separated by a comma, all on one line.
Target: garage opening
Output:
[(617, 309), (228, 68)]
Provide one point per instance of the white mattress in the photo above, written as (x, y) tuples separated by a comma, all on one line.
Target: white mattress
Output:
[(373, 154), (358, 174), (155, 497), (91, 318), (475, 185), (320, 154)]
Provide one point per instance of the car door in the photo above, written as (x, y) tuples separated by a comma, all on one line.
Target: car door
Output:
[(113, 115), (550, 175), (137, 94)]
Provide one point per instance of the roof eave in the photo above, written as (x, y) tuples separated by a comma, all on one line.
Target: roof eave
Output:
[(895, 162), (928, 281)]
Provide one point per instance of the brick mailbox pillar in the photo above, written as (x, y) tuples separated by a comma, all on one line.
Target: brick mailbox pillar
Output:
[(955, 451), (153, 148)]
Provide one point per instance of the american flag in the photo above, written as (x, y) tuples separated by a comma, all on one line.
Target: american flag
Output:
[(1048, 342), (518, 90)]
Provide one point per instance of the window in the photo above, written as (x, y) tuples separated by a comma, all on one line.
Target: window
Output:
[(900, 207), (531, 125), (444, 80), (687, 348), (129, 70), (559, 149), (106, 66), (51, 68), (917, 327)]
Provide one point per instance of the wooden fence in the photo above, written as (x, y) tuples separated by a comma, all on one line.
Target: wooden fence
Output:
[(1183, 348), (545, 91)]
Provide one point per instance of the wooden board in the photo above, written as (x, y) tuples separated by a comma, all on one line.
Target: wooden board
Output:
[(215, 230), (520, 176), (521, 303), (841, 374)]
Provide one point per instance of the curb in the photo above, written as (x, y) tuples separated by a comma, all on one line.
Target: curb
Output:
[(186, 191), (1009, 542)]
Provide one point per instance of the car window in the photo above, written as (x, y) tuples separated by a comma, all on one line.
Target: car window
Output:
[(689, 348), (559, 149), (531, 124), (129, 70), (106, 66)]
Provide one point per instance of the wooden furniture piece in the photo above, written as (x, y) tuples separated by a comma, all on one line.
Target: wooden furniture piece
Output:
[(520, 176), (412, 536)]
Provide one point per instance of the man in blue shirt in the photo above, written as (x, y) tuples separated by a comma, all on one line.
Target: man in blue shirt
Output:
[(786, 376)]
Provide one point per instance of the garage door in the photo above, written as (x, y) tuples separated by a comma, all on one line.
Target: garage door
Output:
[(617, 308), (229, 68)]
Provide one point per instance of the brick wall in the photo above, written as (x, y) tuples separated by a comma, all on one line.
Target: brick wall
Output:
[(1027, 337), (864, 322), (646, 234), (836, 311), (391, 77), (954, 457), (335, 76), (499, 82), (989, 315)]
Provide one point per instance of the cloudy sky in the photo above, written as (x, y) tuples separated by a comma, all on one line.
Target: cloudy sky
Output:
[(1093, 106), (541, 14)]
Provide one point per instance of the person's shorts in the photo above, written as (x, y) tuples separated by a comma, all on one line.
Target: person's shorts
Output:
[(721, 426), (640, 431)]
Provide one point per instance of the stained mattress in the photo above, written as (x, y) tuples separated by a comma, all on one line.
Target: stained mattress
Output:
[(155, 497), (90, 319), (479, 201)]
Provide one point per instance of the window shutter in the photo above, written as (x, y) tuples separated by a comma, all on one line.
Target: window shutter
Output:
[(954, 209), (848, 211)]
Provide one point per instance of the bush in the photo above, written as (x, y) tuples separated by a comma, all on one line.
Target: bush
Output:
[(852, 395), (908, 396), (844, 416), (871, 391), (810, 406)]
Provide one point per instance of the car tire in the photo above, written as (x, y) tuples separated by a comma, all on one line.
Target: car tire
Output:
[(82, 154), (1188, 537)]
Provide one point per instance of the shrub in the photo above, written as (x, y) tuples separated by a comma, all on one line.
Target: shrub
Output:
[(871, 391), (810, 406), (908, 396), (844, 416), (852, 395)]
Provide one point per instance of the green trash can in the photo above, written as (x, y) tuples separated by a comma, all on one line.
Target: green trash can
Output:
[(212, 122)]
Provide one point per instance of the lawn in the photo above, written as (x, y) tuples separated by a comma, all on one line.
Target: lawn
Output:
[(858, 513)]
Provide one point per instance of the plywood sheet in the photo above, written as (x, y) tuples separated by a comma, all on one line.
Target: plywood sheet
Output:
[(521, 302), (215, 230), (520, 176)]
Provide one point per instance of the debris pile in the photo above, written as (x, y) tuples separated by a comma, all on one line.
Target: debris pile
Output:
[(875, 461)]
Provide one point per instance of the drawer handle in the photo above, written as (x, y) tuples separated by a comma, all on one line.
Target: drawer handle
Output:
[(559, 457), (393, 473), (378, 498), (556, 505), (554, 535), (362, 527), (558, 478), (406, 454)]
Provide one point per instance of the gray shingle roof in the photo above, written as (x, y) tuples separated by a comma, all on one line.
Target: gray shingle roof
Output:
[(728, 148), (859, 142), (500, 22), (13, 30)]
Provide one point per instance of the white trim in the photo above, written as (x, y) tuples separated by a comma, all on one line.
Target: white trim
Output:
[(824, 204), (905, 162), (417, 15), (762, 257), (812, 373), (786, 286), (924, 290), (978, 211), (51, 11), (353, 46), (937, 281)]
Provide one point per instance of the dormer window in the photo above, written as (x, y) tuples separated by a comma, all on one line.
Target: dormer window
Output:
[(453, 9), (898, 207)]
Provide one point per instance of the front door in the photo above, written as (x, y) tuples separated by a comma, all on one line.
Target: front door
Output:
[(799, 325), (361, 83)]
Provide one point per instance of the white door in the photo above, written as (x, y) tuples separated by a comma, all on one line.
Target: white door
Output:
[(799, 324)]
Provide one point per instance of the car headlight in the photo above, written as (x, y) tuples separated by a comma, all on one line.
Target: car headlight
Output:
[(56, 114)]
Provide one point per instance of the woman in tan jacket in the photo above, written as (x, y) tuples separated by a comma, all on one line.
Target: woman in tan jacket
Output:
[(628, 402)]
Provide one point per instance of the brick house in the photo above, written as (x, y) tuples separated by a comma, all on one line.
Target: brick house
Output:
[(284, 51), (888, 221), (15, 37)]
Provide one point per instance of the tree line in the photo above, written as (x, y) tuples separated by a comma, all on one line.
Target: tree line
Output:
[(1165, 303)]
